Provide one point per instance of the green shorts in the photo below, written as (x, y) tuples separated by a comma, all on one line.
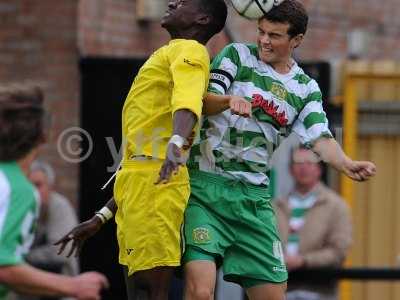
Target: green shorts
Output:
[(233, 224)]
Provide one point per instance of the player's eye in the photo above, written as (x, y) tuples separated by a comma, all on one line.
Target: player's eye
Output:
[(274, 35)]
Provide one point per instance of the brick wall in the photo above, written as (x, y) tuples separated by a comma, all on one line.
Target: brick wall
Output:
[(38, 43), (109, 28)]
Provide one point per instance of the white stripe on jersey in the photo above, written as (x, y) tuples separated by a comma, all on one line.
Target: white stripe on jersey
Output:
[(249, 60), (228, 66), (5, 199), (313, 106)]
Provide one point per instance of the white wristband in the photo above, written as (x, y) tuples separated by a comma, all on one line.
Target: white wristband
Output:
[(106, 212), (177, 140)]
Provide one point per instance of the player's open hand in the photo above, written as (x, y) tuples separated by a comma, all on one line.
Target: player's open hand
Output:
[(78, 235), (171, 164), (240, 106), (88, 285), (359, 170)]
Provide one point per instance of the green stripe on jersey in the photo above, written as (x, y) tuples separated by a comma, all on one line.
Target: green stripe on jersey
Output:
[(314, 118)]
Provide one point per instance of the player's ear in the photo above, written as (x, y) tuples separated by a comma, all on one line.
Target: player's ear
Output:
[(297, 40), (203, 19)]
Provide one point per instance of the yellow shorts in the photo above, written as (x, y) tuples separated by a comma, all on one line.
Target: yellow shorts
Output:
[(149, 216)]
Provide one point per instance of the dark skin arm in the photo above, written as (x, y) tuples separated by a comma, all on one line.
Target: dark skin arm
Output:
[(184, 122), (79, 234)]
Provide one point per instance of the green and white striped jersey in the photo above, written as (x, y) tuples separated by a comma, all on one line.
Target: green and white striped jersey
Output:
[(240, 148), (19, 205)]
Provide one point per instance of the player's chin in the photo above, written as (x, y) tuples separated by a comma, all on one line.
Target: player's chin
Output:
[(266, 57), (165, 20)]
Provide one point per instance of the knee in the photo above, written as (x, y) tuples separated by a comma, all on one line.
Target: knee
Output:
[(200, 292)]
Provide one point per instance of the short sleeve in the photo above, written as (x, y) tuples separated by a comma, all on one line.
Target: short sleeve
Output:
[(190, 72), (312, 123), (9, 239), (224, 69)]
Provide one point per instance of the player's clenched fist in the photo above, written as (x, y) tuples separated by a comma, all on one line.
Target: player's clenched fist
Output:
[(240, 106), (359, 170), (89, 285)]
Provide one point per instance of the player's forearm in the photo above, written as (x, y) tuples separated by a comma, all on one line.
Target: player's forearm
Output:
[(26, 279), (184, 122), (331, 153), (107, 212), (214, 104), (111, 205)]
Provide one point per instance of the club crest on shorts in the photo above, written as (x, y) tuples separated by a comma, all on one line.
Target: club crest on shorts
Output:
[(201, 235)]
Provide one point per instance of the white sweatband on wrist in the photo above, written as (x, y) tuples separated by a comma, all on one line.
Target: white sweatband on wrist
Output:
[(177, 140), (104, 214)]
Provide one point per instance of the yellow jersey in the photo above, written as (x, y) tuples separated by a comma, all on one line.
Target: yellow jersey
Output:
[(175, 77)]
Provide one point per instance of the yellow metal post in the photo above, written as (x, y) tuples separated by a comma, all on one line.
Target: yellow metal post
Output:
[(350, 138), (350, 121)]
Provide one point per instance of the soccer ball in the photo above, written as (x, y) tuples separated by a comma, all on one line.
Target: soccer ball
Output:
[(254, 9)]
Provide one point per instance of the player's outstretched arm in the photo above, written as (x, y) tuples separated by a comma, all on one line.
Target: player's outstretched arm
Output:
[(79, 234), (214, 104), (26, 279), (184, 122), (331, 152)]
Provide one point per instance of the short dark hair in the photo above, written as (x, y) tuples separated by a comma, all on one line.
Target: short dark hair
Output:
[(218, 11), (292, 12), (21, 120)]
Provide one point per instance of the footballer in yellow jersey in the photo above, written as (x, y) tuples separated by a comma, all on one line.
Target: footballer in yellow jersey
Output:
[(149, 216), (160, 114)]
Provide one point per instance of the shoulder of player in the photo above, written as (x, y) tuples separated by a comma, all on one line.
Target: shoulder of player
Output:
[(242, 48), (190, 49), (304, 79)]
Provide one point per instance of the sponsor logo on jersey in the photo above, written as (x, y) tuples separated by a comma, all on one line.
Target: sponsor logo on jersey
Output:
[(187, 61), (269, 108), (201, 235)]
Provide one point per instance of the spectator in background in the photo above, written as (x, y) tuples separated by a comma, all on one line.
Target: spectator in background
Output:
[(56, 214), (315, 227), (21, 135)]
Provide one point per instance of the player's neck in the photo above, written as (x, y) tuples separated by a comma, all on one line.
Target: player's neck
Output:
[(283, 67), (188, 35)]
